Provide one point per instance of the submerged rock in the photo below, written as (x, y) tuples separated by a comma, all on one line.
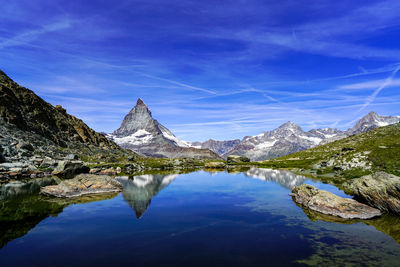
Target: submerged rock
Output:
[(327, 203), (83, 184), (67, 168), (237, 159), (380, 190)]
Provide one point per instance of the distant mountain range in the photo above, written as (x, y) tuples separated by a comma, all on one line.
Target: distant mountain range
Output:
[(145, 135), (290, 138)]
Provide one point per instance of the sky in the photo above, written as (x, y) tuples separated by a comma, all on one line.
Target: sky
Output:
[(208, 69)]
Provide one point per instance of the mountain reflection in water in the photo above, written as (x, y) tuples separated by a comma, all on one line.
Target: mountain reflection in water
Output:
[(285, 178), (139, 190)]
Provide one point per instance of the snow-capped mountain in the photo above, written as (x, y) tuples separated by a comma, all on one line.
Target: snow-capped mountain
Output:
[(219, 147), (145, 135), (372, 121), (290, 138), (286, 139)]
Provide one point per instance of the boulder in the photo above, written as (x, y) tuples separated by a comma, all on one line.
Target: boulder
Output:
[(237, 159), (110, 171), (380, 190), (83, 184), (215, 164), (2, 158), (26, 146), (327, 203), (71, 157), (68, 169)]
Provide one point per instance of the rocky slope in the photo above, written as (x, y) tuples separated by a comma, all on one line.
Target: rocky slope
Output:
[(143, 134), (34, 134), (290, 138)]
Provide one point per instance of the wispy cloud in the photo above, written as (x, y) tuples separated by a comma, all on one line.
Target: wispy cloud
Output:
[(30, 35), (384, 84)]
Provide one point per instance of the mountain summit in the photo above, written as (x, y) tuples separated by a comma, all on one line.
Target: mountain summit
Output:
[(145, 135)]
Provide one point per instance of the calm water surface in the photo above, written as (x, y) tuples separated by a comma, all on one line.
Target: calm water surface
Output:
[(195, 219)]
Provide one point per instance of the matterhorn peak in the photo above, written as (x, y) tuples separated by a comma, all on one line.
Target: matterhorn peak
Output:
[(140, 102)]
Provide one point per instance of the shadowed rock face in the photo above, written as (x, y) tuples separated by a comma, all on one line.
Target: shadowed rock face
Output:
[(143, 134), (139, 190), (327, 203), (22, 107), (284, 178), (380, 190)]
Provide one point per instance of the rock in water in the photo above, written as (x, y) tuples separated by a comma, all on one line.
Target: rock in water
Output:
[(83, 184), (215, 164), (380, 190), (328, 203), (68, 169)]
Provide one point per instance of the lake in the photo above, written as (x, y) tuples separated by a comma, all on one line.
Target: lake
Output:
[(195, 219)]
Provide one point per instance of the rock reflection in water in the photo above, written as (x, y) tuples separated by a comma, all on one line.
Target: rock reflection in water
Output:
[(29, 187), (139, 190), (284, 178), (387, 223)]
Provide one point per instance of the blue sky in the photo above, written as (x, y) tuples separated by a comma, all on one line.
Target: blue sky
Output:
[(208, 69)]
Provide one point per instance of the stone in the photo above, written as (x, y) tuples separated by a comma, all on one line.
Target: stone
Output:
[(327, 203), (2, 158), (71, 157), (110, 171), (94, 170), (237, 159), (380, 190), (48, 163), (26, 146), (118, 170), (215, 164), (83, 184), (68, 169)]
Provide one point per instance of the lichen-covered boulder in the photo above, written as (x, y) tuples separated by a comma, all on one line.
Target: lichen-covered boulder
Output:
[(380, 190), (83, 184), (68, 169), (327, 203)]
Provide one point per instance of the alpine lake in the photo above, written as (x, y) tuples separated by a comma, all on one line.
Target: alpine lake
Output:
[(237, 218)]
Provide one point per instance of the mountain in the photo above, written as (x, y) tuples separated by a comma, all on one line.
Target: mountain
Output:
[(372, 121), (286, 139), (219, 147), (290, 138), (143, 134), (30, 125)]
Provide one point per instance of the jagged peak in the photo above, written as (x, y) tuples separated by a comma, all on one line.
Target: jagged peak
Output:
[(289, 124), (140, 102)]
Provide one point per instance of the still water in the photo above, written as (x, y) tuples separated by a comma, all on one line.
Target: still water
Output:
[(195, 219)]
